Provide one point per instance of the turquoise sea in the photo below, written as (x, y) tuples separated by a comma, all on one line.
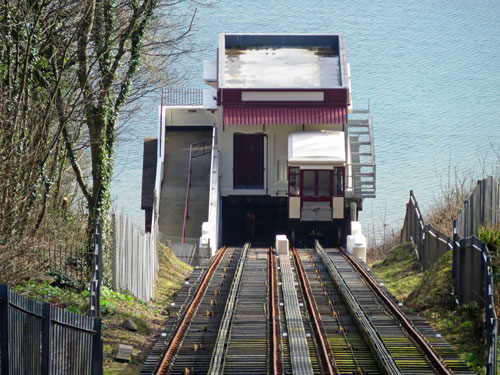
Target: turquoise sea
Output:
[(431, 70)]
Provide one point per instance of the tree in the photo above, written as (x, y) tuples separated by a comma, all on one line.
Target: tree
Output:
[(110, 43), (32, 157), (67, 69)]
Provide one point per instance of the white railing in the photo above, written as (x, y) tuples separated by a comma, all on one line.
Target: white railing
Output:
[(135, 258), (209, 240), (361, 169)]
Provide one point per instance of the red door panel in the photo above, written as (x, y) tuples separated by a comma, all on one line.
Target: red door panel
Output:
[(248, 167)]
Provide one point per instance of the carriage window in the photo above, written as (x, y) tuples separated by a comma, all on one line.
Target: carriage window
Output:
[(338, 182), (309, 183), (294, 181), (323, 183)]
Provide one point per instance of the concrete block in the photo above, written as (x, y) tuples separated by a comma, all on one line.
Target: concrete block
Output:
[(124, 353), (282, 245), (356, 246), (355, 228)]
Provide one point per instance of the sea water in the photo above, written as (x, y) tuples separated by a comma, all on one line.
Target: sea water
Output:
[(431, 71)]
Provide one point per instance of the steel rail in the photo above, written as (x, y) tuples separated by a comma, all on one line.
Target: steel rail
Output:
[(313, 312), (432, 356), (190, 312), (379, 349), (338, 320), (274, 315), (224, 334)]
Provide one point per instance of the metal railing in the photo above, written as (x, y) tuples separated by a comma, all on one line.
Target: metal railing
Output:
[(95, 284), (39, 338), (182, 97), (361, 170), (64, 255), (195, 150), (135, 258)]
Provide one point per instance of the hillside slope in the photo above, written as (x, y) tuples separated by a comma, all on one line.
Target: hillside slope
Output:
[(430, 294)]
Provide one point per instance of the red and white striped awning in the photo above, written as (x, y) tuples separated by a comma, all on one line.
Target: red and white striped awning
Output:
[(290, 114)]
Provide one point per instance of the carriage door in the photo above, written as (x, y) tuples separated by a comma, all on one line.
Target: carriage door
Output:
[(316, 194), (248, 161)]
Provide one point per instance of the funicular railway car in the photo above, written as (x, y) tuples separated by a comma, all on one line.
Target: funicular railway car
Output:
[(289, 154)]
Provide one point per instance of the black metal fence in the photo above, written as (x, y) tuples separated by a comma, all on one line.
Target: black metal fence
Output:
[(63, 254), (472, 269), (39, 338), (95, 284)]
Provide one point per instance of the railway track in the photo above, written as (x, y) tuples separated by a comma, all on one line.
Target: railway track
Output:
[(313, 311)]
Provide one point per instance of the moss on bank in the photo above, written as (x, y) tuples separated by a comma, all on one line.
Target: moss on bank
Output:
[(400, 270), (430, 294), (117, 307)]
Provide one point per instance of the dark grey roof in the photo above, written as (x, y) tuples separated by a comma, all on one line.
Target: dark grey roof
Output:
[(148, 172)]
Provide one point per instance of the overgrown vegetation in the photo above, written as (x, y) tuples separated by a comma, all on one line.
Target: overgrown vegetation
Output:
[(450, 202), (119, 306), (68, 69), (431, 295), (490, 235)]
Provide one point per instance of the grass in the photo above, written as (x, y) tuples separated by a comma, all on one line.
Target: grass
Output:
[(430, 294), (400, 270), (116, 307), (150, 317)]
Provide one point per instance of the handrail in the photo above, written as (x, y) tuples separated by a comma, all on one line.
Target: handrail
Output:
[(196, 149)]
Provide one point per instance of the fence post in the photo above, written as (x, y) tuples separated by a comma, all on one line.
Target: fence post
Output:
[(4, 322), (46, 337), (95, 284), (97, 347), (100, 271)]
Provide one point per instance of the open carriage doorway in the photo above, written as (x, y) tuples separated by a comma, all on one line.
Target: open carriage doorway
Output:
[(248, 162)]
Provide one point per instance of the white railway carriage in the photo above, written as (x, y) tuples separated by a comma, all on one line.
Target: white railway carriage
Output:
[(289, 155)]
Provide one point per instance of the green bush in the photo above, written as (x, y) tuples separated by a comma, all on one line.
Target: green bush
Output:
[(491, 236)]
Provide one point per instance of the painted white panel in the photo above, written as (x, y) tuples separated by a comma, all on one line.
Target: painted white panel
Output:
[(338, 207), (210, 98), (316, 147), (210, 71), (182, 116), (276, 96), (294, 208)]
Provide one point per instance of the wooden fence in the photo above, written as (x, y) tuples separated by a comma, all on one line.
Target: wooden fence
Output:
[(431, 243), (39, 338), (482, 208), (472, 269)]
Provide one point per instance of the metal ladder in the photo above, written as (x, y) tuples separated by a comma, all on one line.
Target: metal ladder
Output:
[(361, 169)]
